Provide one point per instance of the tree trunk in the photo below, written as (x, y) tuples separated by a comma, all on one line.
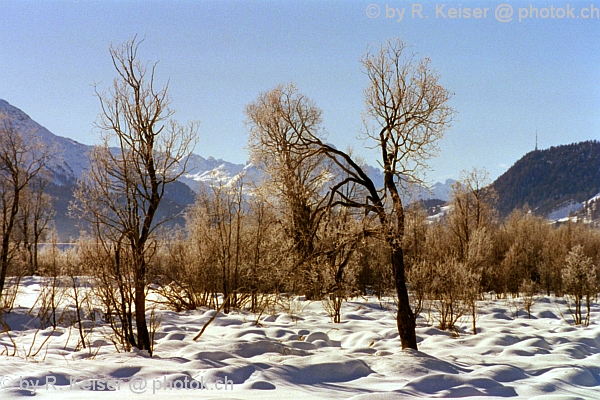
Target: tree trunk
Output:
[(126, 317), (143, 339), (14, 210), (405, 318), (36, 242), (3, 263)]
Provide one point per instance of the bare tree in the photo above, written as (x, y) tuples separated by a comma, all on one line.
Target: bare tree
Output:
[(342, 234), (35, 217), (22, 158), (216, 225), (280, 122), (406, 114), (472, 208), (469, 221), (124, 187)]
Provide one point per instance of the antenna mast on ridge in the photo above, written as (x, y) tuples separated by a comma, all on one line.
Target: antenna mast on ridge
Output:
[(536, 140)]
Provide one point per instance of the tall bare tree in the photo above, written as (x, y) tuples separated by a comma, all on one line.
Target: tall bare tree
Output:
[(406, 114), (122, 191), (22, 158), (280, 122)]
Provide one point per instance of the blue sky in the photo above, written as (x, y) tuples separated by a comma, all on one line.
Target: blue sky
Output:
[(509, 79)]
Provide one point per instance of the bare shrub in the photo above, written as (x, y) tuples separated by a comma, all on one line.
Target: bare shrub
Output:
[(266, 303), (80, 295), (419, 277), (292, 305), (50, 302), (112, 286), (52, 298), (185, 280), (579, 283), (529, 291), (453, 291), (332, 304), (341, 233), (9, 295)]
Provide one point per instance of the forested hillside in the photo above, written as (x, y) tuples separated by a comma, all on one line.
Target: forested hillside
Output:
[(546, 180)]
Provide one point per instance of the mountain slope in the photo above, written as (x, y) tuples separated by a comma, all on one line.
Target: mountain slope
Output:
[(70, 160), (551, 182)]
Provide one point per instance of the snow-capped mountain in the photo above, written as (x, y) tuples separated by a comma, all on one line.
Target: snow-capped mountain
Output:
[(71, 156), (442, 191), (70, 160), (202, 171)]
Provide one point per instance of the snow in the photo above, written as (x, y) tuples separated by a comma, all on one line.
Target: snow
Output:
[(563, 212), (306, 356), (595, 198), (444, 210)]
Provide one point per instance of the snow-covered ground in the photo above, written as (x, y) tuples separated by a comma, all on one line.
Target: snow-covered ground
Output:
[(306, 356)]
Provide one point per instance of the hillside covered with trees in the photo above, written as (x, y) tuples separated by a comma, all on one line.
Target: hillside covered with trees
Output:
[(545, 180)]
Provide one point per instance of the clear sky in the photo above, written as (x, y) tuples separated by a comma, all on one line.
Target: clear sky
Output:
[(509, 79)]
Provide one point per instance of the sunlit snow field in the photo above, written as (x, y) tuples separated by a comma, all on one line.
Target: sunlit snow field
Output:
[(306, 356)]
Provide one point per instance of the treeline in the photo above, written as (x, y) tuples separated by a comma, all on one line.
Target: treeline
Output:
[(240, 246)]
